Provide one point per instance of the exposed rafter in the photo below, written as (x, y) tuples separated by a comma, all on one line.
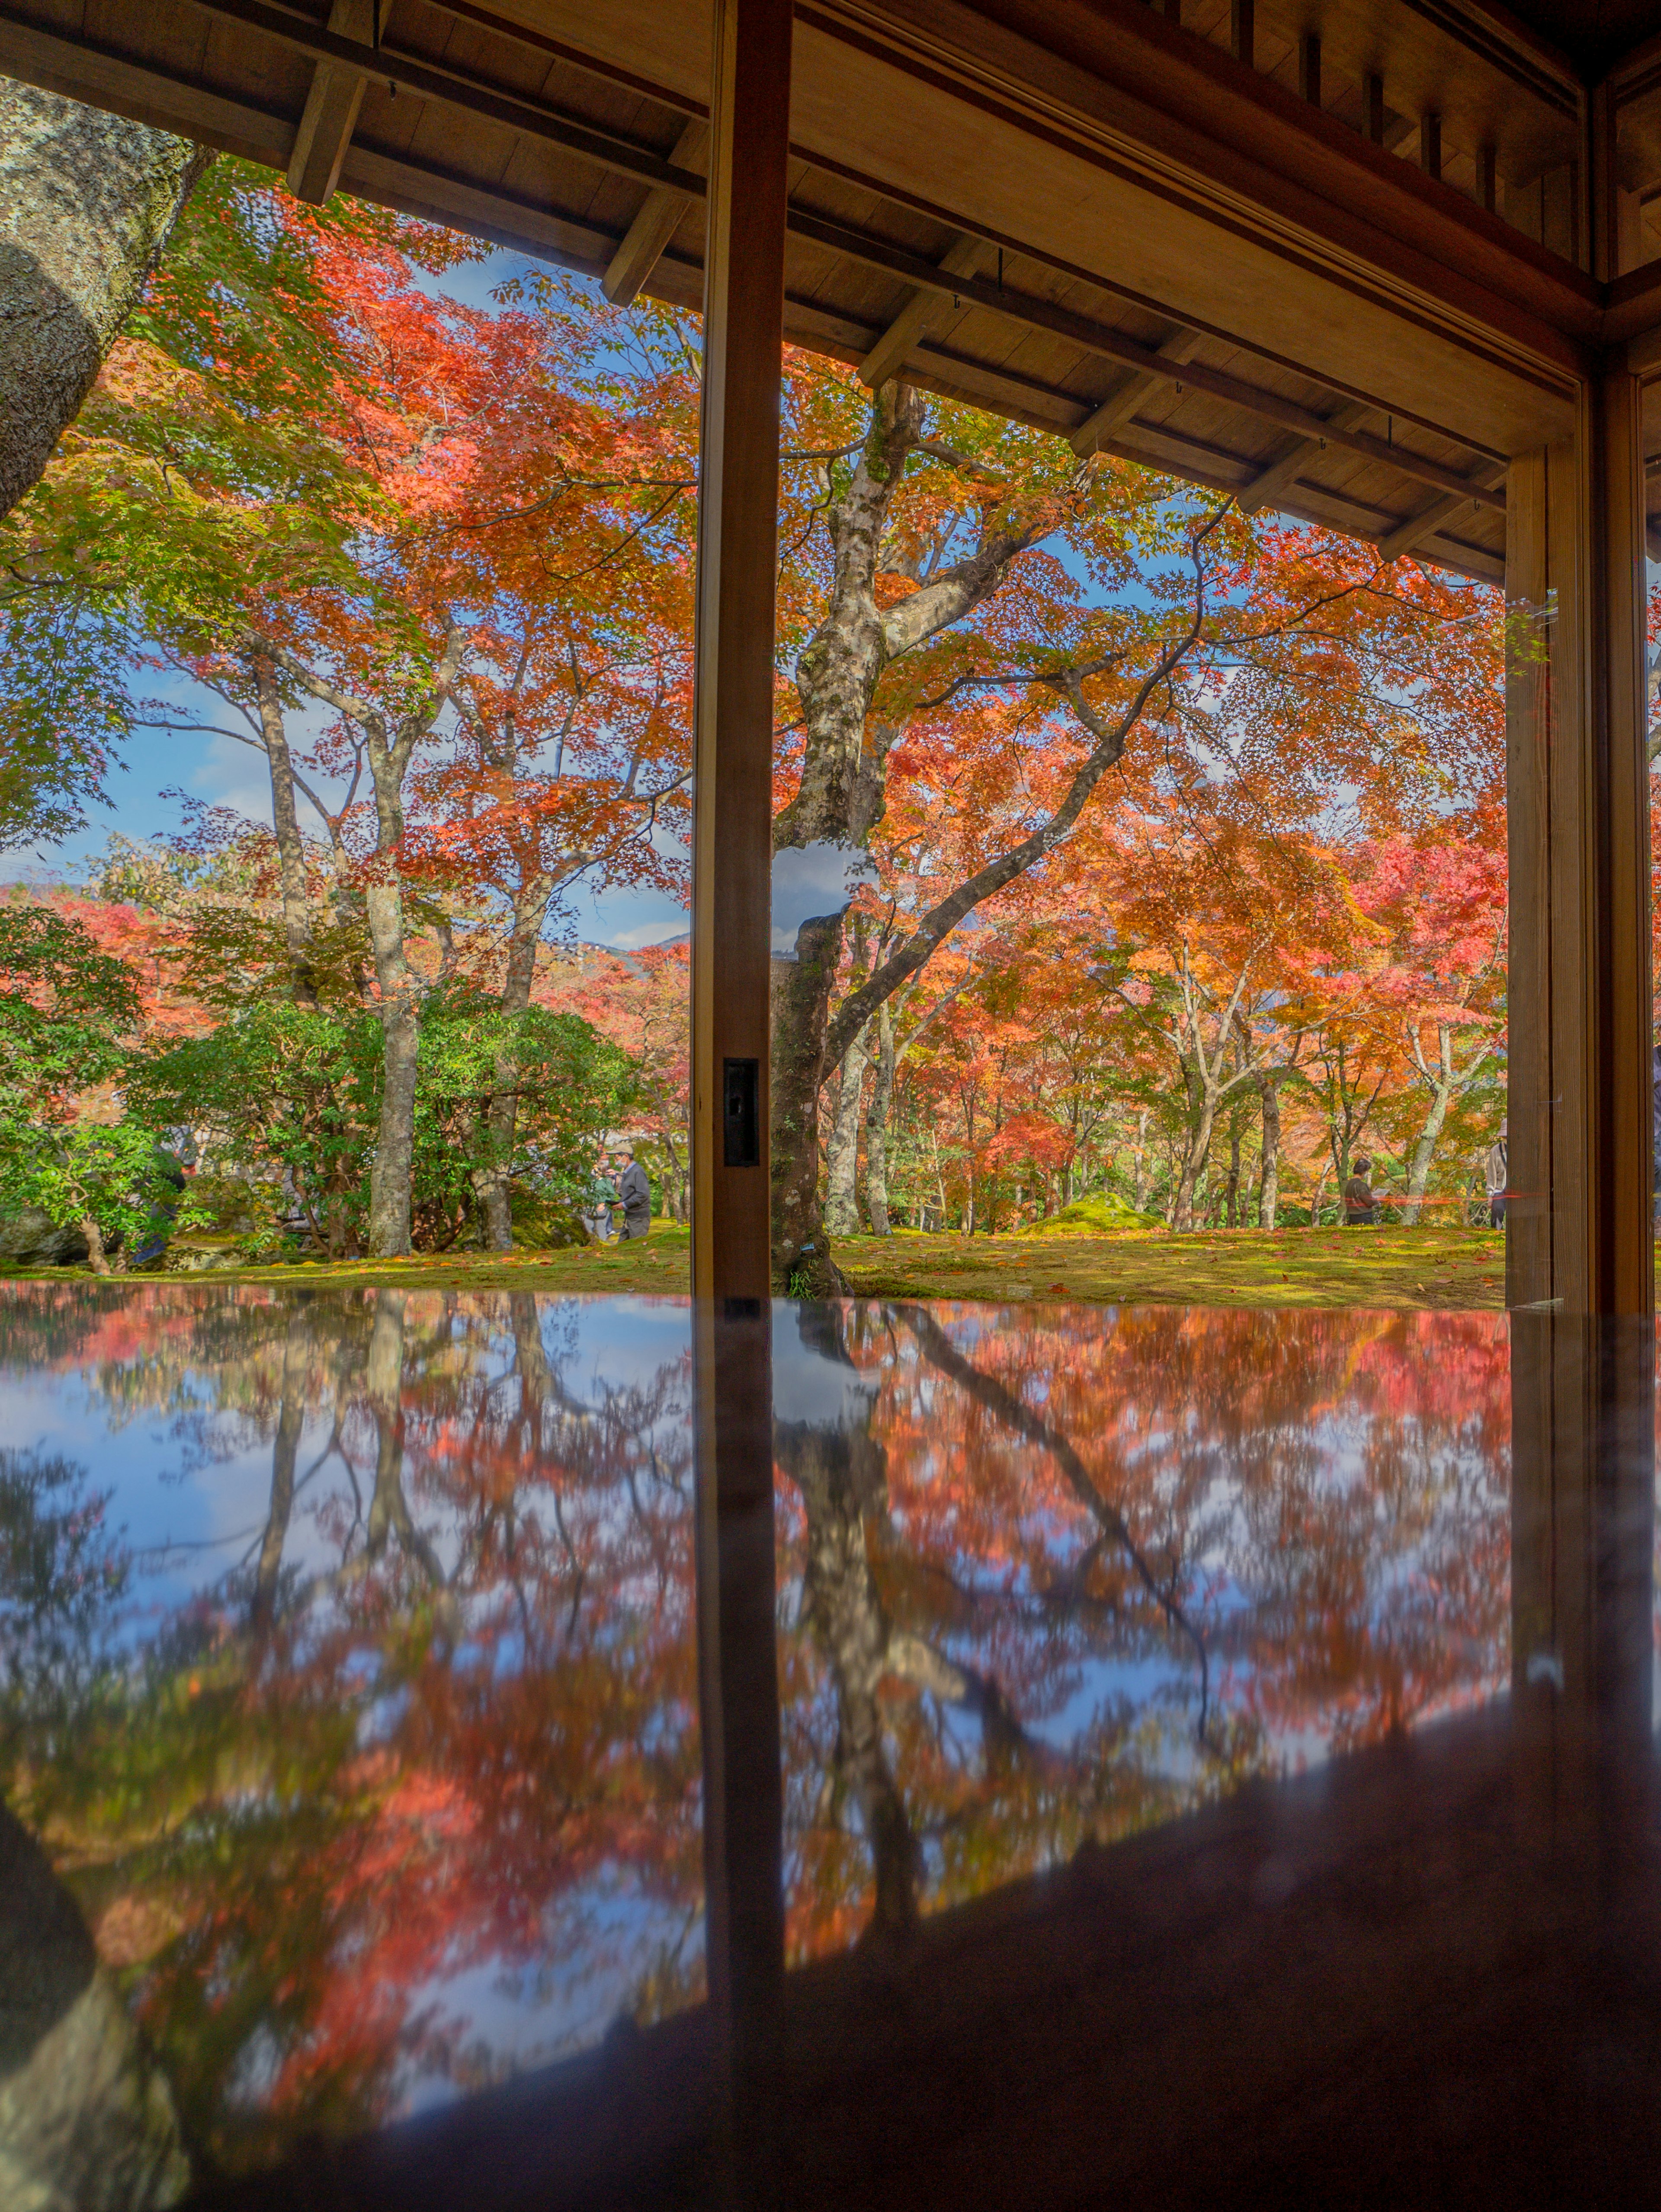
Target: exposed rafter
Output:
[(1122, 402), (1281, 474), (921, 314), (330, 115), (1437, 516), (656, 223), (1114, 346)]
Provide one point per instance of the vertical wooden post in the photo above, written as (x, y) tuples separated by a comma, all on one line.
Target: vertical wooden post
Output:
[(1579, 1221), (1429, 144), (1309, 68), (1372, 107), (731, 936), (737, 565)]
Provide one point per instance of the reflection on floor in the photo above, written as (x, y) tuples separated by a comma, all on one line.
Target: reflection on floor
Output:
[(350, 1730)]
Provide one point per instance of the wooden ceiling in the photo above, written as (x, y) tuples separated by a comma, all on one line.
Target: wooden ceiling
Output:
[(1338, 277)]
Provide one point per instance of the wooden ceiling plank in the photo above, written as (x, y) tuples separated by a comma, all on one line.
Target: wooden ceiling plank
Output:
[(142, 91), (1113, 345), (1122, 402), (656, 224), (426, 82), (921, 313)]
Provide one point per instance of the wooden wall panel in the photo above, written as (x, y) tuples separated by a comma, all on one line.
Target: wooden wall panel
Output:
[(1580, 1235), (1528, 1270)]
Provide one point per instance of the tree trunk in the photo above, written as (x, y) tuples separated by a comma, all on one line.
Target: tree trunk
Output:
[(96, 1258), (841, 794), (87, 200), (391, 1203), (800, 998), (1139, 1153), (491, 1179), (1268, 1188), (290, 845), (841, 1213), (1424, 1150), (1194, 1165), (285, 1453), (876, 1127), (1234, 1198), (1319, 1193)]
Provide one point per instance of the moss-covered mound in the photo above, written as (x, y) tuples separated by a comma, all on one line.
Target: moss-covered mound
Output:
[(1102, 1214)]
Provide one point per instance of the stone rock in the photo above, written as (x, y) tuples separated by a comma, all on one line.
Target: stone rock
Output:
[(88, 2122), (30, 1238), (542, 1224), (202, 1259)]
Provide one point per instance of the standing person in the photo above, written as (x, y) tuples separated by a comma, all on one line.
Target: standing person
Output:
[(1360, 1206), (1496, 1170), (602, 1197), (636, 1193)]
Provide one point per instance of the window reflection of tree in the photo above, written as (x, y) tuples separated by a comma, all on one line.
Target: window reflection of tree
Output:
[(1151, 1554), (465, 1737)]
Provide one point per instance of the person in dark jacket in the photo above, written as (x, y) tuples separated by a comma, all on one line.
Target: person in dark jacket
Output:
[(1360, 1206), (636, 1192)]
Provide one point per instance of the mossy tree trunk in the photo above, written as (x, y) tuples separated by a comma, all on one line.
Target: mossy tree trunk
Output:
[(86, 201)]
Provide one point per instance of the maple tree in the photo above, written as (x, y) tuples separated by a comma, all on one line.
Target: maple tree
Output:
[(306, 478), (1135, 822), (1318, 705)]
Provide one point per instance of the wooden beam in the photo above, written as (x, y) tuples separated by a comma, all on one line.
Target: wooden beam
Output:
[(330, 115), (737, 560), (921, 314), (732, 967), (1264, 489), (1114, 346), (1417, 527), (1122, 402), (82, 70), (1242, 30), (655, 224)]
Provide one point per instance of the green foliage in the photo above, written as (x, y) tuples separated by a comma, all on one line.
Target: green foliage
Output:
[(113, 1176), (291, 1095), (281, 1091), (572, 1085), (65, 1006), (205, 469)]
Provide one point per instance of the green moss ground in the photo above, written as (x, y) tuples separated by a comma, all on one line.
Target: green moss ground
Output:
[(1431, 1267), (1428, 1268)]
